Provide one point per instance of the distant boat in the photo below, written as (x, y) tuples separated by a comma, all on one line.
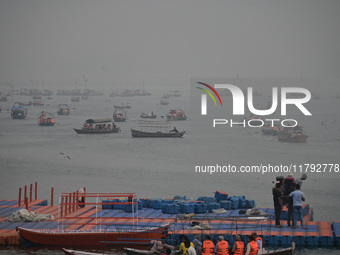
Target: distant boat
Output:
[(100, 127), (119, 115), (155, 129), (63, 109), (292, 135), (38, 103), (148, 116), (75, 99), (45, 119), (164, 101), (18, 111), (176, 115), (127, 106)]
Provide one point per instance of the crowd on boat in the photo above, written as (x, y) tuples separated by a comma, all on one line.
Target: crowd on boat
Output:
[(207, 247)]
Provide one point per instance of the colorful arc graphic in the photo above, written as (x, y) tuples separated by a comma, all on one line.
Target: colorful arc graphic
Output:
[(208, 86)]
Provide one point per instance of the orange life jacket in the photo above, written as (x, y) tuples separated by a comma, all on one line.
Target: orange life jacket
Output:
[(239, 248), (208, 248), (259, 238), (254, 248), (223, 248)]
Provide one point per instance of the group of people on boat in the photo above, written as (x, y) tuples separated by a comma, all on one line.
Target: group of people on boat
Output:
[(45, 120), (207, 247), (100, 126), (287, 192)]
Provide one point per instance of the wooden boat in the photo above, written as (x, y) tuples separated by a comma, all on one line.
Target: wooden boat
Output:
[(45, 119), (119, 115), (155, 129), (176, 115), (148, 116), (63, 109), (281, 251), (18, 111), (137, 133), (293, 138), (292, 135), (129, 236), (99, 128), (127, 106)]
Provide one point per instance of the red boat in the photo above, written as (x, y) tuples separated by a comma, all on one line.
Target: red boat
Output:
[(129, 236)]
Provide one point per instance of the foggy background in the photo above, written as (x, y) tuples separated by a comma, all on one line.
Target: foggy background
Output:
[(162, 44)]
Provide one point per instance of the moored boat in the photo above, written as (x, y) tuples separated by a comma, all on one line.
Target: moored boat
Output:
[(98, 126), (133, 235)]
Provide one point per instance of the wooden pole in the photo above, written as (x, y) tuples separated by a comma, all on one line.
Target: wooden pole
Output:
[(36, 191), (31, 188), (52, 191), (19, 202), (74, 202)]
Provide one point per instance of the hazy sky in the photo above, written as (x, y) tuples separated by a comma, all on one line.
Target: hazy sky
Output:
[(165, 43)]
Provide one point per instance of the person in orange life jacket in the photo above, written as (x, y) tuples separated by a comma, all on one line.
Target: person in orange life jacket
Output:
[(191, 250), (238, 248), (208, 246), (257, 239), (222, 247), (182, 248), (252, 246)]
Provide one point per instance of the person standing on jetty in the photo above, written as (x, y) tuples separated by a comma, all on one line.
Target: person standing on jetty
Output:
[(277, 197), (298, 197)]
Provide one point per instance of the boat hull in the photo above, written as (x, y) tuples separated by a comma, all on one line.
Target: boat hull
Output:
[(286, 251), (46, 124), (96, 131), (293, 139), (136, 133), (132, 251), (107, 238)]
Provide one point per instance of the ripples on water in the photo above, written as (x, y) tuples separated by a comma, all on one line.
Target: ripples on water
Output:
[(160, 167)]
